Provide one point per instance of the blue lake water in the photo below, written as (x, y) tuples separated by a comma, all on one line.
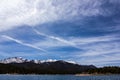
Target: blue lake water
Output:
[(58, 77)]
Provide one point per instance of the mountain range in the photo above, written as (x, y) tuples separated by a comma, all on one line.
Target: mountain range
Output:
[(22, 60), (24, 66)]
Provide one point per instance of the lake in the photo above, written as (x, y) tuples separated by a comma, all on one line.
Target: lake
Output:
[(58, 77)]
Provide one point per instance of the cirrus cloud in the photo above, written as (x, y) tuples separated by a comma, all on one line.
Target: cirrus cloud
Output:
[(32, 12)]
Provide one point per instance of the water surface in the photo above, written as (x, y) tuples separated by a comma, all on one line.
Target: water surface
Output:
[(58, 77)]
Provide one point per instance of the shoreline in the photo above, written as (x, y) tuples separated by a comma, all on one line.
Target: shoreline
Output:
[(96, 74), (82, 74)]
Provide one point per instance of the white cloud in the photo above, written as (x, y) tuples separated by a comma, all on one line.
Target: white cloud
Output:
[(57, 38), (96, 50), (101, 49), (103, 60), (12, 13), (93, 46), (49, 43), (88, 40), (92, 49), (32, 12), (22, 43), (100, 60)]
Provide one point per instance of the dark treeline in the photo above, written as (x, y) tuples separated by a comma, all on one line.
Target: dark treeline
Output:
[(57, 67), (54, 68), (105, 70)]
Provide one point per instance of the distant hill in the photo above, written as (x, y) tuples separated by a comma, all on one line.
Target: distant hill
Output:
[(18, 65)]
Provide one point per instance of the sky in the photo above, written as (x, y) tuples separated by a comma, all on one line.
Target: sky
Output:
[(84, 31)]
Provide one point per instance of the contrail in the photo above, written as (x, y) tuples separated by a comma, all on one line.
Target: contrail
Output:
[(22, 43), (56, 38)]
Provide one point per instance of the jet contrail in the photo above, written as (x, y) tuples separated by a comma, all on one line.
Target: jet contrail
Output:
[(57, 38), (22, 43)]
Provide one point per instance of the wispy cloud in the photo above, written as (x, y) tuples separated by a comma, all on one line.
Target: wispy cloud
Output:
[(57, 38), (99, 51), (22, 43), (35, 12), (89, 40), (105, 59), (100, 60), (96, 49)]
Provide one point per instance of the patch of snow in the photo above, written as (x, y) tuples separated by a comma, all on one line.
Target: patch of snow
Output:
[(73, 62), (13, 60), (49, 60)]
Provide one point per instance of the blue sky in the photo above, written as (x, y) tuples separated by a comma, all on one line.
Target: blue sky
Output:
[(84, 31)]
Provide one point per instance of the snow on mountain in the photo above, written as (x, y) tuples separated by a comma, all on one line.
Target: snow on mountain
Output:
[(73, 62), (49, 60), (22, 60), (13, 60)]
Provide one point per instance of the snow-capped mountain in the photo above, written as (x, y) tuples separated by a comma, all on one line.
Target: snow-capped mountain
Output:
[(22, 60), (23, 66), (13, 60)]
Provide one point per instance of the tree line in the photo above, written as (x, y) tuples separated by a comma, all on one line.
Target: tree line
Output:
[(105, 70), (55, 68)]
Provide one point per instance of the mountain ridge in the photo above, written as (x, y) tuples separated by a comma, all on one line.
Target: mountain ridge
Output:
[(23, 60), (23, 66)]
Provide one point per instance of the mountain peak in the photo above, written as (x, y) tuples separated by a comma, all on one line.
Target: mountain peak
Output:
[(13, 60)]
